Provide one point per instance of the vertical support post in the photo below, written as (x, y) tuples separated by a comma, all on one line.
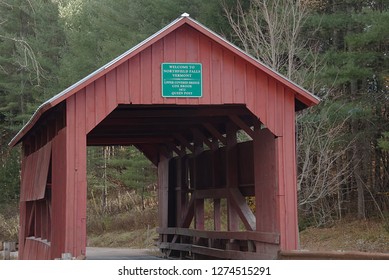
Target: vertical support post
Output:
[(266, 189), (232, 174), (199, 203), (182, 187), (172, 192), (76, 185), (216, 201), (24, 211), (179, 191), (163, 191), (23, 220), (287, 190), (58, 196)]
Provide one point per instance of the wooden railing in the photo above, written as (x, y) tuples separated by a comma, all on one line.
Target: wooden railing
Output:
[(191, 243), (331, 255)]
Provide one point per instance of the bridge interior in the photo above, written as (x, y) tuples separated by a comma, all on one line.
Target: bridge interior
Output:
[(205, 160)]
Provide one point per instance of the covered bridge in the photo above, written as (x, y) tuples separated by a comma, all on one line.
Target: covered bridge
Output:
[(180, 97)]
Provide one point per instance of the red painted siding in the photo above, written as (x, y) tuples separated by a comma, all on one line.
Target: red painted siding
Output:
[(36, 249), (35, 168), (59, 194), (227, 79)]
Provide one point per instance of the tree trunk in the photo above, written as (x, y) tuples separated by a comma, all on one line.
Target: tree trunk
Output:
[(358, 172)]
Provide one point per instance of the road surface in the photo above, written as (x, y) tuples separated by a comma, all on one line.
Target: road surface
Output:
[(94, 253)]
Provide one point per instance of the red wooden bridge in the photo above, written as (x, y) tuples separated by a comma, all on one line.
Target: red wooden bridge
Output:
[(191, 137)]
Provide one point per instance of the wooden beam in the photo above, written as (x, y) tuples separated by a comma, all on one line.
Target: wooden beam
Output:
[(180, 194), (199, 202), (185, 142), (211, 193), (198, 134), (242, 125), (174, 148), (164, 151), (216, 253), (232, 175), (331, 255), (215, 133), (127, 119), (177, 111), (101, 140), (150, 151), (242, 208), (216, 201), (163, 190), (264, 237), (230, 254), (30, 219), (265, 176), (189, 214)]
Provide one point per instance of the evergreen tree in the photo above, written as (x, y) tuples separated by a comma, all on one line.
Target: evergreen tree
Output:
[(98, 31), (352, 39), (113, 168), (30, 43)]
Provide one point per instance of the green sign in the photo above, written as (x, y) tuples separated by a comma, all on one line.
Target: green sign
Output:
[(182, 80)]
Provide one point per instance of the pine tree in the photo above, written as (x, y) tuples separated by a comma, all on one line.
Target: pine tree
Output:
[(30, 44), (352, 39)]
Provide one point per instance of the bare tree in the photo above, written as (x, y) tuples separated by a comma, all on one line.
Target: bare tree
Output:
[(270, 31), (326, 160)]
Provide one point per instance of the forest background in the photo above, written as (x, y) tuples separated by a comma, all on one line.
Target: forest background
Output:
[(338, 50)]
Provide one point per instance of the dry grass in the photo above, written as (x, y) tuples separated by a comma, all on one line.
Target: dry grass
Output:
[(124, 222), (347, 235), (123, 212), (9, 227), (137, 239)]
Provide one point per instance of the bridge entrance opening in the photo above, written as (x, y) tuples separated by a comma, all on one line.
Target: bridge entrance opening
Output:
[(206, 182)]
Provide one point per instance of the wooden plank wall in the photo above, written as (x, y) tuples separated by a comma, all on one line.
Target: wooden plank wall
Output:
[(59, 195), (36, 249), (227, 79), (34, 178), (75, 180), (35, 204), (266, 188), (287, 179)]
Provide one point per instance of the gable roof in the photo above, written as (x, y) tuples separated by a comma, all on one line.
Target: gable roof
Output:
[(302, 95)]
